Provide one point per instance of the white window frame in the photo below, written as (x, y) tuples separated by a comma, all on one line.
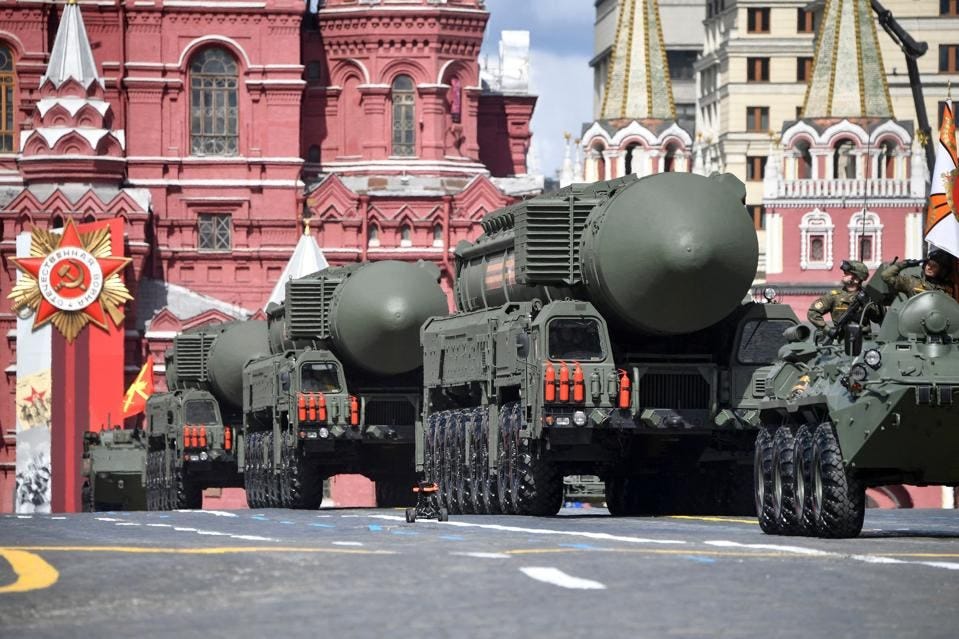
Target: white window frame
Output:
[(816, 222), (873, 227)]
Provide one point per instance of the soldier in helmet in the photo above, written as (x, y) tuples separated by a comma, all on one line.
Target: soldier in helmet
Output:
[(837, 301), (936, 275)]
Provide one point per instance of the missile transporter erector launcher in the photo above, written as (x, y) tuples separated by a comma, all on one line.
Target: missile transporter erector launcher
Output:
[(195, 428), (601, 330), (340, 392), (845, 414)]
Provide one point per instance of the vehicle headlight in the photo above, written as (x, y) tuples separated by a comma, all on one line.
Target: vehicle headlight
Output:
[(769, 293), (872, 357), (579, 418), (858, 373), (324, 433), (204, 456)]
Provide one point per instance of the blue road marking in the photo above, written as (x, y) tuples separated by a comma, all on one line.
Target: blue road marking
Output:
[(375, 528), (164, 516), (323, 525), (404, 532), (452, 537), (579, 546), (702, 560)]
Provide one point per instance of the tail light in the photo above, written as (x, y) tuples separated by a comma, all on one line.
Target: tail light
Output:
[(563, 382), (312, 407), (579, 385), (354, 411), (227, 438), (549, 383), (301, 408), (202, 436), (322, 407), (624, 390)]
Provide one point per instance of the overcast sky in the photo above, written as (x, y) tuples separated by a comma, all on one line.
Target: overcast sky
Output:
[(561, 45)]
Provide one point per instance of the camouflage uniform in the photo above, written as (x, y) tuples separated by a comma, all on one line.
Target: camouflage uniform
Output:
[(835, 302), (910, 284)]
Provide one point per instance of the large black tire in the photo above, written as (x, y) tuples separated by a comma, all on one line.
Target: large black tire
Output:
[(802, 463), (86, 498), (251, 471), (541, 489), (616, 501), (838, 500), (169, 479), (189, 494), (507, 473), (456, 430), (763, 483), (489, 494), (784, 481), (305, 481), (467, 455), (151, 481)]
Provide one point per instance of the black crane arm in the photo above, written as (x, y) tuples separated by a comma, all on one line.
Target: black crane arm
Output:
[(912, 51)]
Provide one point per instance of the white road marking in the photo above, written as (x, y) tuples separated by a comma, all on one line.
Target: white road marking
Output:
[(483, 555), (107, 519), (347, 543), (127, 523), (160, 525), (796, 550), (58, 518), (252, 538), (215, 513), (547, 531), (179, 529), (24, 516), (214, 533), (559, 578), (940, 564)]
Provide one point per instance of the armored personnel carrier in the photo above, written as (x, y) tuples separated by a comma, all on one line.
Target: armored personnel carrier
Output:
[(843, 414), (114, 465), (601, 330)]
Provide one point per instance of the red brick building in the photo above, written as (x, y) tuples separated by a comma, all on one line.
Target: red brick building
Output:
[(214, 128)]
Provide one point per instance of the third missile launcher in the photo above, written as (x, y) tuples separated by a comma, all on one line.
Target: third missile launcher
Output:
[(601, 330)]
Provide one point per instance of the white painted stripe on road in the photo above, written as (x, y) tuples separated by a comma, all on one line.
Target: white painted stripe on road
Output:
[(58, 518), (127, 523), (548, 531), (179, 529), (252, 538), (107, 519), (483, 555), (215, 513), (160, 525), (796, 550), (347, 543), (940, 564), (213, 533), (559, 578), (873, 559), (24, 516)]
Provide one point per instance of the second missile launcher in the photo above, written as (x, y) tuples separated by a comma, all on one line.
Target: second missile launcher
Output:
[(601, 330)]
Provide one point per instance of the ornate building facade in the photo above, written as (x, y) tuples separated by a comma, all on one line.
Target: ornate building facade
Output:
[(215, 128)]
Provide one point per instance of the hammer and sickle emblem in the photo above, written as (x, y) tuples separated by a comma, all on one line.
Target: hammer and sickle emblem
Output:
[(71, 276)]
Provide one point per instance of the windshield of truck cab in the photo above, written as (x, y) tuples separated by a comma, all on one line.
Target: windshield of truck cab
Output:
[(319, 377), (575, 339), (200, 411), (762, 340)]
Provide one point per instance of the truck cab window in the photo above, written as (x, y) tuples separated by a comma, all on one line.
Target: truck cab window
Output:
[(201, 412), (575, 339), (761, 341), (322, 377)]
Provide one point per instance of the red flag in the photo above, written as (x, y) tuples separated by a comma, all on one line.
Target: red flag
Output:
[(135, 400)]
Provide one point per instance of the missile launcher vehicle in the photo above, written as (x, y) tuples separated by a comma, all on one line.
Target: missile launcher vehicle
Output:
[(844, 414), (194, 429), (601, 330), (114, 465), (328, 384), (340, 392)]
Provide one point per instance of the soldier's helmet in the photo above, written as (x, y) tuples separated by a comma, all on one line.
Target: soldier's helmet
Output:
[(855, 268)]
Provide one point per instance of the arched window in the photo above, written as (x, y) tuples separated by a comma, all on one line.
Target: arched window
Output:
[(596, 155), (373, 233), (865, 238), (669, 160), (213, 103), (816, 229), (844, 162), (886, 163), (404, 135), (437, 235), (7, 106), (803, 161), (406, 235), (630, 157)]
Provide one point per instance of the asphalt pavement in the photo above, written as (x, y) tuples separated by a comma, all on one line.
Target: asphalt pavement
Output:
[(368, 573)]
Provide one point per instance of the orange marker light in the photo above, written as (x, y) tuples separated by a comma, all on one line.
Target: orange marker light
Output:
[(322, 407), (563, 382), (624, 394), (301, 408), (354, 411), (549, 383), (579, 386)]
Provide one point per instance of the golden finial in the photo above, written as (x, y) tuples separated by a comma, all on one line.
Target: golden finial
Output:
[(71, 1), (306, 226), (567, 135)]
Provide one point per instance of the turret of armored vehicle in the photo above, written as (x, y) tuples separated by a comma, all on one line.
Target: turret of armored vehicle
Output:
[(601, 330), (194, 428), (844, 414), (114, 470), (340, 391)]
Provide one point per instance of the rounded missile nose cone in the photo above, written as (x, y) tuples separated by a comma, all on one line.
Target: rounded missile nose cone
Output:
[(936, 323), (238, 343), (671, 253), (379, 311)]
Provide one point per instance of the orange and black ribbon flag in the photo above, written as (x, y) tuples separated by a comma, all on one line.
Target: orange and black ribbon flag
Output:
[(942, 217), (135, 400)]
